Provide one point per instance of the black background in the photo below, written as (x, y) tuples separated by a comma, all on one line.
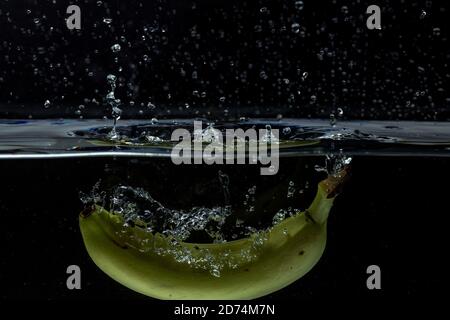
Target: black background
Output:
[(399, 72)]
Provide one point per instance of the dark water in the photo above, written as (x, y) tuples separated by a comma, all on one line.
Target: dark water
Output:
[(392, 211), (87, 138)]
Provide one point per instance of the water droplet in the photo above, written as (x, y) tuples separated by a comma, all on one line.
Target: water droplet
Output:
[(332, 119), (47, 104), (299, 5), (295, 27), (215, 272), (278, 217), (319, 168), (436, 32), (107, 20), (340, 112), (116, 112), (111, 78), (423, 14), (291, 189), (116, 48), (287, 130), (110, 95)]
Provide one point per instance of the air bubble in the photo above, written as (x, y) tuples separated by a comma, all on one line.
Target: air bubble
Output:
[(295, 27), (299, 5), (436, 32), (111, 78), (423, 14)]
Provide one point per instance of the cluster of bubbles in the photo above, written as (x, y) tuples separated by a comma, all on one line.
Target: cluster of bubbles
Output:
[(168, 232), (269, 137), (241, 58), (334, 163), (137, 204), (210, 134), (207, 135), (196, 256)]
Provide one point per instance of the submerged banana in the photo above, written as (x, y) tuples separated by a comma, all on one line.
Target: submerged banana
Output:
[(160, 267)]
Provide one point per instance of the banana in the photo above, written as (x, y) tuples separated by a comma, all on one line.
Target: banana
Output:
[(158, 266)]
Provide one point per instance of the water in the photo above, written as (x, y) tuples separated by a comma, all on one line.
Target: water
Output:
[(21, 139), (379, 217), (163, 60), (228, 208)]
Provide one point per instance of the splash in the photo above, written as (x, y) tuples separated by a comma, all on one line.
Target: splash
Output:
[(114, 103), (137, 207), (334, 163)]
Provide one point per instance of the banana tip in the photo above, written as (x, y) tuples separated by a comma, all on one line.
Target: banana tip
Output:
[(333, 184)]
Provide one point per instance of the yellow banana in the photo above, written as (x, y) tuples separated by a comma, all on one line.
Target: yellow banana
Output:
[(160, 267)]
